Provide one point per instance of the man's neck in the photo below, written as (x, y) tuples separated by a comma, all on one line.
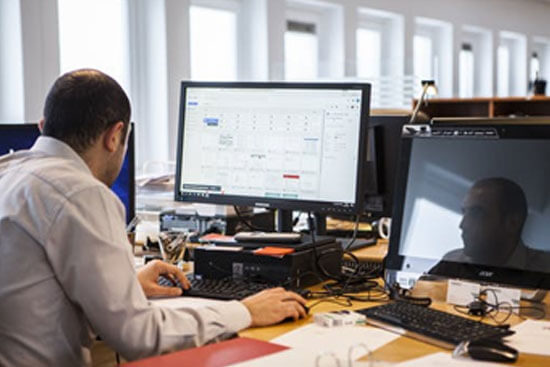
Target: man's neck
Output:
[(93, 160)]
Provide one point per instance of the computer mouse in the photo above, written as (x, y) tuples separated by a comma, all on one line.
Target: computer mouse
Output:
[(291, 319), (491, 350)]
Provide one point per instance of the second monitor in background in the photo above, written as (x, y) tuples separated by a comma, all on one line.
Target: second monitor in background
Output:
[(287, 146), (15, 137)]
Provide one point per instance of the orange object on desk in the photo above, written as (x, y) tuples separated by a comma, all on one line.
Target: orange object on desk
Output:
[(212, 355), (274, 251)]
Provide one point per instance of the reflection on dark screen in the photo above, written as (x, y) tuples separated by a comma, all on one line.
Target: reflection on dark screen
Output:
[(16, 137), (478, 202)]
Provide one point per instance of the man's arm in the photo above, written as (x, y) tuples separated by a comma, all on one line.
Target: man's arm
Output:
[(266, 307), (88, 250)]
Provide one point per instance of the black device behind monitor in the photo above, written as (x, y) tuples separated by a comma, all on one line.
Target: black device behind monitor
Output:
[(473, 202), (15, 137), (290, 146), (381, 168)]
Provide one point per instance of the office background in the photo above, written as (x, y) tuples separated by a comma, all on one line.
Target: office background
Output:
[(470, 47)]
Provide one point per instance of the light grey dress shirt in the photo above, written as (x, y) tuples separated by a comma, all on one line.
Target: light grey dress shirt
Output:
[(66, 270)]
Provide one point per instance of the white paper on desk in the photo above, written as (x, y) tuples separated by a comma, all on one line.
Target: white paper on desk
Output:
[(447, 360), (337, 340), (185, 302), (303, 358), (531, 337)]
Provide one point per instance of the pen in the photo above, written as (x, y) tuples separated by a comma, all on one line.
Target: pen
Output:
[(132, 225)]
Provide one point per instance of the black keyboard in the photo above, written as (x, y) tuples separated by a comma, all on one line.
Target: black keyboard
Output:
[(224, 289), (433, 326)]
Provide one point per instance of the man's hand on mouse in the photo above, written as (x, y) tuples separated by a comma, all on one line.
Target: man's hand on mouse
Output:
[(148, 277), (274, 305)]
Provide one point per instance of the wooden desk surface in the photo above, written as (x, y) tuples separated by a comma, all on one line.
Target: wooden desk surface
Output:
[(375, 253), (403, 348)]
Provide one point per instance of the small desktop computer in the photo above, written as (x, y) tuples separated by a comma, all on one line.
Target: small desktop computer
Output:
[(471, 203), (15, 137), (284, 146)]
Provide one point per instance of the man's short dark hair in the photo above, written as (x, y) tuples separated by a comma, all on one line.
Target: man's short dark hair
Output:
[(81, 105), (511, 197)]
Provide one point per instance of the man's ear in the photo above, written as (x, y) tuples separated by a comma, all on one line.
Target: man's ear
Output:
[(113, 137), (41, 125), (514, 222)]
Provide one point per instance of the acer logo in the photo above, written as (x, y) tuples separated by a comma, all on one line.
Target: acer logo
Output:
[(262, 205), (486, 274)]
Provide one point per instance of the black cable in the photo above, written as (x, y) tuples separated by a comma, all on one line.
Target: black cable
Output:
[(311, 225), (246, 222), (346, 303), (480, 307), (296, 220), (354, 235), (498, 307), (400, 294)]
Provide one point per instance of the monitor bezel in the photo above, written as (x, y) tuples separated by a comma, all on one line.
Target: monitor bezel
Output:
[(394, 263), (131, 152), (274, 203)]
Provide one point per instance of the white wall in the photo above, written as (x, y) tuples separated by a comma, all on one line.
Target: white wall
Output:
[(159, 46), (528, 17), (11, 59)]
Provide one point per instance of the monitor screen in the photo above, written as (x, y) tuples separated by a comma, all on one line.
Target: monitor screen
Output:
[(15, 137), (278, 145), (474, 203)]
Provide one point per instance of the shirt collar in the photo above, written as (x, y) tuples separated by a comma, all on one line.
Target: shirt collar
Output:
[(55, 147)]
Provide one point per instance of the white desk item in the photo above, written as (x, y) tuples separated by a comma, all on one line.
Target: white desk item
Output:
[(337, 340), (447, 360), (461, 293), (504, 296), (308, 358), (531, 337)]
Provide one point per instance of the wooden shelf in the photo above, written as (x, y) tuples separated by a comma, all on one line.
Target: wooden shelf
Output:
[(486, 107)]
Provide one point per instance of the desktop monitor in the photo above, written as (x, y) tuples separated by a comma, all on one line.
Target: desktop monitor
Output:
[(473, 202), (290, 146), (22, 136)]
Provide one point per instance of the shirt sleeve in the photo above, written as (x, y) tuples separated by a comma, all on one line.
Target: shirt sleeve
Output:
[(91, 258)]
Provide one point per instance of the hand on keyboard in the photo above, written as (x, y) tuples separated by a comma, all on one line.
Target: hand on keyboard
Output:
[(266, 305), (148, 277), (274, 305)]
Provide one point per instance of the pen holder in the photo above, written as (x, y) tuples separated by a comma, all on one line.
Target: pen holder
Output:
[(172, 246), (132, 240)]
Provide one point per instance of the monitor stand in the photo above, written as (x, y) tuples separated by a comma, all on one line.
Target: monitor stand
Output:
[(283, 220), (359, 242), (320, 224)]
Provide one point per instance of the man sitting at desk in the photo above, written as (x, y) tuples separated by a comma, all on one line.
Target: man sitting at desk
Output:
[(66, 269), (494, 212)]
